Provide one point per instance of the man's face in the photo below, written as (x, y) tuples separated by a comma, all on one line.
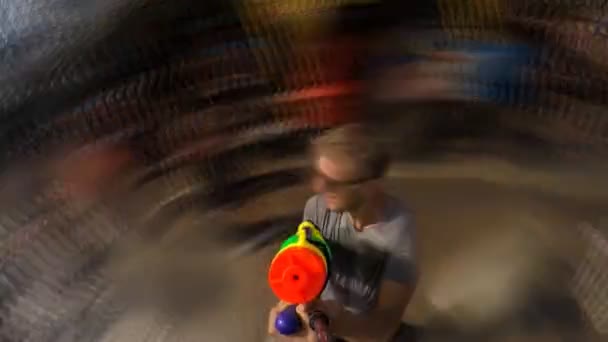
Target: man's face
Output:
[(336, 181)]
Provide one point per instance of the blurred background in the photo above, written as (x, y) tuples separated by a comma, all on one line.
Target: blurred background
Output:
[(153, 157)]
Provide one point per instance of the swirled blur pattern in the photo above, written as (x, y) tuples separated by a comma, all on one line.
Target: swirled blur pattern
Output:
[(153, 152)]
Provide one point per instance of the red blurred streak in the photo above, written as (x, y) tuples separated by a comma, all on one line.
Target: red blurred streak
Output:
[(332, 90), (87, 175)]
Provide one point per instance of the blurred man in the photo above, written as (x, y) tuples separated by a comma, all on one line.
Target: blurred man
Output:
[(370, 234)]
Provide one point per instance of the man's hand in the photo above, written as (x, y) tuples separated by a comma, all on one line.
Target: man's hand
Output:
[(305, 335), (379, 324)]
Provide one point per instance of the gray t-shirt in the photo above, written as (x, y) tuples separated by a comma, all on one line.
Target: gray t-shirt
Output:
[(362, 259)]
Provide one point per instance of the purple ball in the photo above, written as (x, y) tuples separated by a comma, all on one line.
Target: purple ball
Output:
[(288, 321)]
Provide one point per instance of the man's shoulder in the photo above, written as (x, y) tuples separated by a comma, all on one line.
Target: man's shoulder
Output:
[(399, 212), (399, 226), (315, 207), (315, 202)]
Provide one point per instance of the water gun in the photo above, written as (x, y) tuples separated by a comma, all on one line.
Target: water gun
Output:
[(298, 274)]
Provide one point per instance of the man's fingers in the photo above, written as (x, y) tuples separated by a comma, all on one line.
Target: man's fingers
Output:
[(306, 307), (272, 317), (302, 311), (282, 306)]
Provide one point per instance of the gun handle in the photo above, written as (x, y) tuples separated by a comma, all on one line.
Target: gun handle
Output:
[(319, 323)]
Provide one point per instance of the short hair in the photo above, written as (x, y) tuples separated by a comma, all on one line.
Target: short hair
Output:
[(358, 144)]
